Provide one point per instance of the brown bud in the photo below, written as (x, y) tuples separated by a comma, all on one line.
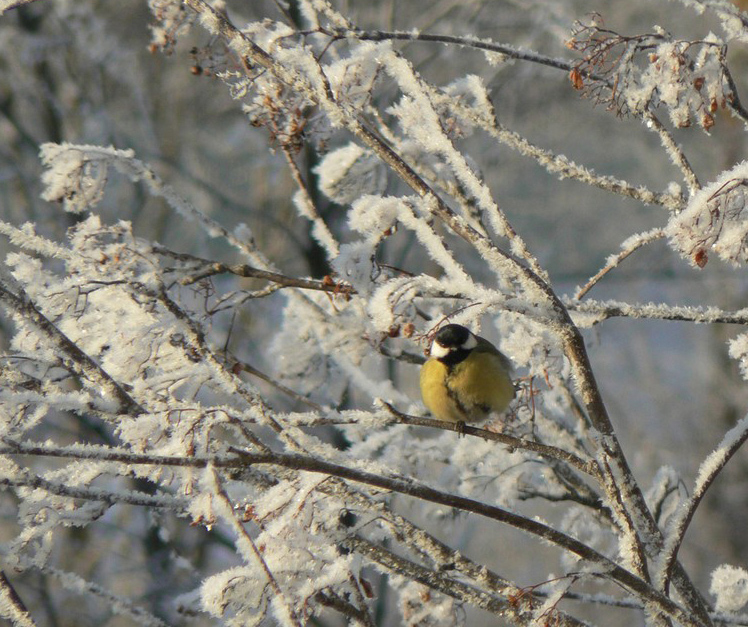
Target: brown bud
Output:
[(575, 76), (366, 588), (700, 258)]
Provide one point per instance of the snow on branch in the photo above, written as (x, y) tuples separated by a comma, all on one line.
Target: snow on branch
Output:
[(709, 470), (591, 312), (77, 174), (628, 246), (714, 221), (642, 72), (495, 52), (734, 21)]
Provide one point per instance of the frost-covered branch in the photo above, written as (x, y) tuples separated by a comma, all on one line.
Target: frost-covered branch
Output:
[(306, 208), (75, 584), (78, 174), (734, 21), (629, 246), (315, 85), (554, 163), (12, 607), (200, 269), (346, 608), (593, 312), (736, 106), (420, 491), (643, 72), (321, 93), (517, 608), (709, 470), (128, 497), (565, 168), (246, 544), (588, 467), (502, 50), (72, 356), (674, 151)]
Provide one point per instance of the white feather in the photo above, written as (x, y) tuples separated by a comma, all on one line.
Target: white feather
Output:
[(437, 351)]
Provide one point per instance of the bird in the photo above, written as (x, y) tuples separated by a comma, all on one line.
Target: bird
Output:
[(466, 378)]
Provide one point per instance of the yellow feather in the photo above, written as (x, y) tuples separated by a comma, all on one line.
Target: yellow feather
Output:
[(472, 389)]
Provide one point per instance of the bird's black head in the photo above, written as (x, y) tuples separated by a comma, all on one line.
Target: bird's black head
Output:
[(452, 344)]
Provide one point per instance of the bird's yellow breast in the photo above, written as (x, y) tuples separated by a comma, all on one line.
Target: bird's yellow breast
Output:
[(468, 391)]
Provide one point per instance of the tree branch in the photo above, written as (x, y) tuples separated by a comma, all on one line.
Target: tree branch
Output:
[(602, 310), (467, 42), (207, 268), (674, 151), (246, 540), (519, 610), (709, 470), (14, 607), (73, 357), (405, 486), (128, 497), (559, 165), (588, 467), (628, 247), (316, 87)]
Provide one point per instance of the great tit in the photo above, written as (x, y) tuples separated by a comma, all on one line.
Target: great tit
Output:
[(466, 377)]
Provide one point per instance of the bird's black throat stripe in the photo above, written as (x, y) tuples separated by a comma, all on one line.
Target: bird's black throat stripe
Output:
[(452, 358)]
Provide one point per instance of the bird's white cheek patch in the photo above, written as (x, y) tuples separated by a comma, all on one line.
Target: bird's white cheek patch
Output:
[(438, 351), (470, 342)]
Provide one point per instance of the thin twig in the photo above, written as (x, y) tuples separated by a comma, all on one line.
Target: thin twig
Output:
[(11, 602), (118, 604), (506, 50), (733, 100), (128, 497), (603, 310), (207, 268), (319, 229), (244, 270), (709, 470), (72, 356), (440, 581), (359, 615), (640, 240), (279, 386), (244, 538), (551, 452), (675, 152)]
